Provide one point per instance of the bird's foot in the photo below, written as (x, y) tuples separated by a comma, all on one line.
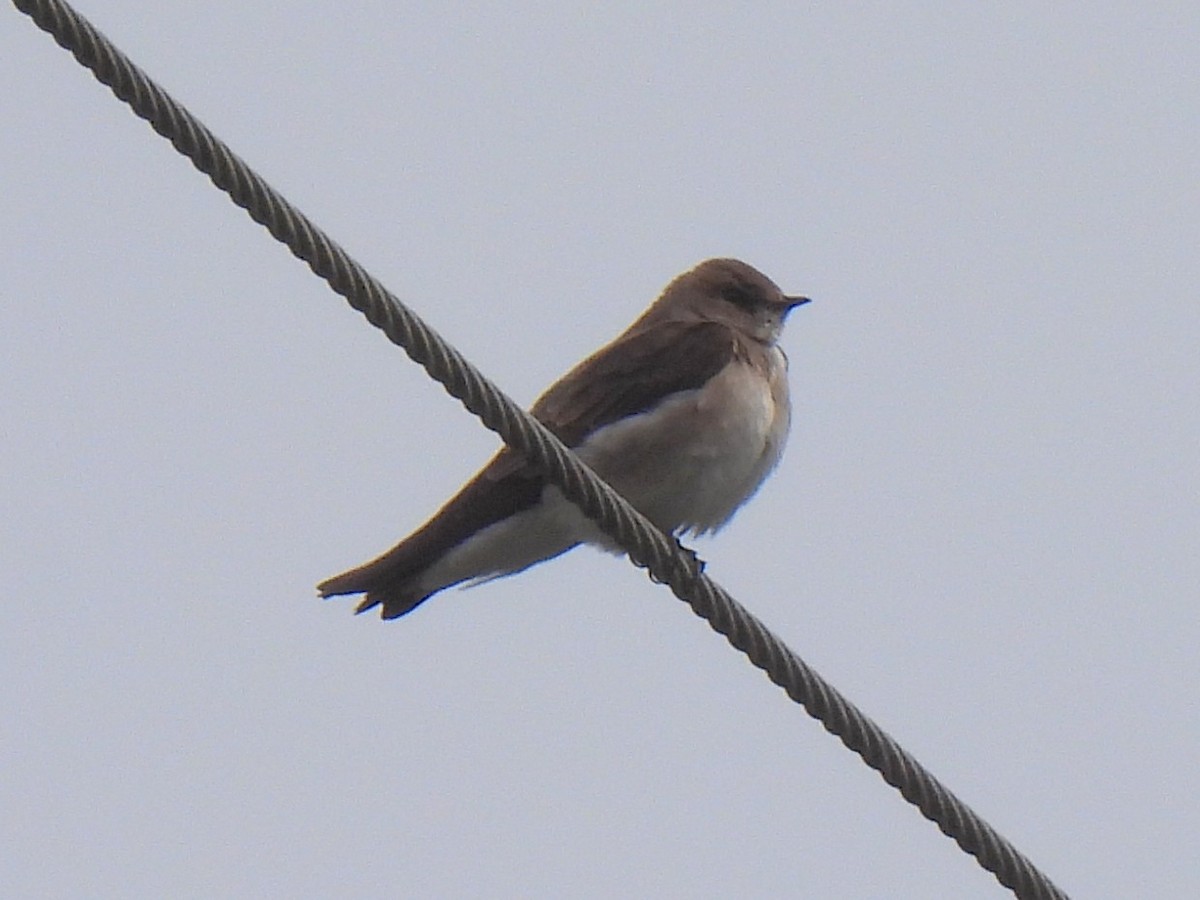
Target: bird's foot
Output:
[(691, 554)]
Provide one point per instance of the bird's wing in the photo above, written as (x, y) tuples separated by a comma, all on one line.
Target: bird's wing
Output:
[(632, 374)]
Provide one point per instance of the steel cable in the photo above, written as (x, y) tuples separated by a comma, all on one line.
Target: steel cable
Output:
[(647, 546)]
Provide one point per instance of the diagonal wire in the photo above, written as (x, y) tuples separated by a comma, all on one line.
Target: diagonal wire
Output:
[(646, 545)]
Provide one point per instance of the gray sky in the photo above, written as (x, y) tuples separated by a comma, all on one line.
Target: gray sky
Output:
[(984, 530)]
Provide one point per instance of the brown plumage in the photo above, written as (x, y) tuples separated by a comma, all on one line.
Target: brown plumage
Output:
[(720, 313)]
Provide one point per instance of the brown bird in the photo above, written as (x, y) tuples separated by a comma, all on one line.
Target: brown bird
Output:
[(684, 414)]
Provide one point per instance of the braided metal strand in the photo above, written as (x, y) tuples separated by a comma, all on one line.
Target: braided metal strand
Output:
[(646, 546)]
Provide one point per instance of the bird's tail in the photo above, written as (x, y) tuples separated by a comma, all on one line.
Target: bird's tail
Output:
[(388, 581)]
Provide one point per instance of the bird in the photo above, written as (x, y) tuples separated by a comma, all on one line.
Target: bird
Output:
[(684, 414)]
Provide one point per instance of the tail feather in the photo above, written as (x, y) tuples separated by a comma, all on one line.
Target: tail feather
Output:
[(383, 584), (504, 487), (397, 601)]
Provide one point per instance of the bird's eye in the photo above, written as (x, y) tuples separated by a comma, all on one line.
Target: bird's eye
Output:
[(741, 295)]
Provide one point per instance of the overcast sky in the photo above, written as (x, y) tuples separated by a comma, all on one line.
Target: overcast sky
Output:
[(985, 528)]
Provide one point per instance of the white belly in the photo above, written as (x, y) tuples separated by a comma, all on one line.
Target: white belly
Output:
[(689, 463)]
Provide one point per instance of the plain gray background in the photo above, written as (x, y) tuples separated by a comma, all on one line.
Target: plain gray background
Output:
[(984, 530)]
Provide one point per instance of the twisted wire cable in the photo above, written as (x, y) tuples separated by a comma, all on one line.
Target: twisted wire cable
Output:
[(646, 546)]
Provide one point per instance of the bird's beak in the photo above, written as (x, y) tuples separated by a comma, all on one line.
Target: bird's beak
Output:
[(793, 302)]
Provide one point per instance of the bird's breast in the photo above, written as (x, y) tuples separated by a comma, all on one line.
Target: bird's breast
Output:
[(689, 462)]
